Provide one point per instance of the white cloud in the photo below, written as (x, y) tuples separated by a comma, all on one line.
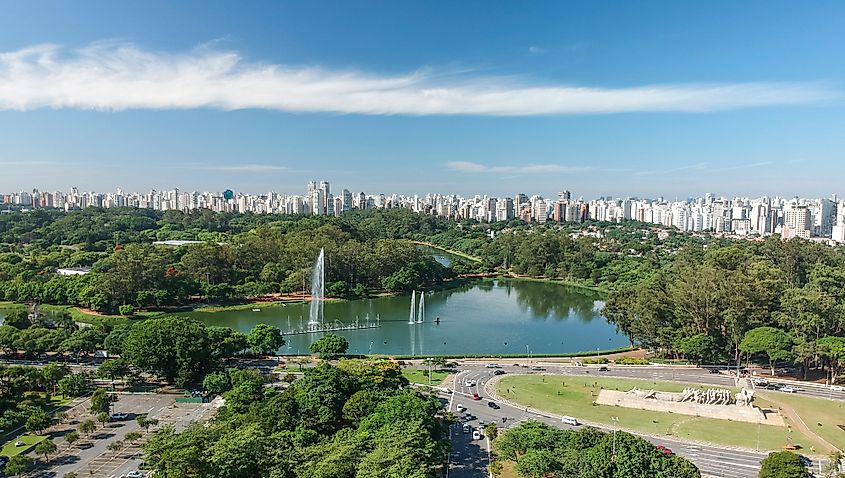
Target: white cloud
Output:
[(470, 167), (119, 76), (244, 168)]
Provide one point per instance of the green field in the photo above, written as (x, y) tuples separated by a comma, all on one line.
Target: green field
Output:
[(9, 449), (820, 415), (421, 376), (574, 396)]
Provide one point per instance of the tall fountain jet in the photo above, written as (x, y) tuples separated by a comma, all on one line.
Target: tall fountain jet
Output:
[(412, 318), (421, 309), (318, 292)]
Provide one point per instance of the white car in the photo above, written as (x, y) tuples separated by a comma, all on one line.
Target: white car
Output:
[(469, 383), (837, 388), (465, 428), (135, 474), (491, 365), (460, 408), (476, 435), (789, 389)]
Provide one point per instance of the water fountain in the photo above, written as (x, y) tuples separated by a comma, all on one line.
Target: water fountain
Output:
[(421, 310), (412, 318), (318, 292)]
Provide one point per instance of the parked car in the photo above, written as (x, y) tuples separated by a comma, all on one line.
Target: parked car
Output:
[(119, 416), (460, 407), (465, 428), (135, 474), (666, 450), (476, 435), (493, 405), (476, 396)]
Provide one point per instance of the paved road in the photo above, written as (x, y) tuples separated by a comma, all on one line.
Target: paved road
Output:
[(469, 458), (711, 460)]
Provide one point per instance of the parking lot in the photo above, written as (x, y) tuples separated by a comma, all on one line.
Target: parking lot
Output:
[(91, 457)]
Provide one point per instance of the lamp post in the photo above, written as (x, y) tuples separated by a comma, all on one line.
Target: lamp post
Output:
[(615, 427)]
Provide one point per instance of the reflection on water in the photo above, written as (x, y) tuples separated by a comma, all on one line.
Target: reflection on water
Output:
[(487, 317)]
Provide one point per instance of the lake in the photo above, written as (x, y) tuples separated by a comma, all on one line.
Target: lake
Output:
[(487, 317)]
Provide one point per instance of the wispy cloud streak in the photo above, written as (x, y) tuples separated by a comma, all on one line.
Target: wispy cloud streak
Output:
[(470, 167), (120, 76)]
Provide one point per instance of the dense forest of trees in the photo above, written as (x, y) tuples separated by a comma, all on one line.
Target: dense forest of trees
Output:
[(357, 419), (541, 451), (244, 256)]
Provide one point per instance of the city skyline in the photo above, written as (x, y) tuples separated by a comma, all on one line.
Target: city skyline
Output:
[(738, 216), (667, 100)]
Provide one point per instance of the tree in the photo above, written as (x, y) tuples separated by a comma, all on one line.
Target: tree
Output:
[(71, 438), (176, 349), (774, 343), (265, 339), (101, 401), (72, 385), (38, 421), (103, 417), (18, 318), (115, 445), (46, 448), (699, 347), (146, 422), (132, 437), (491, 431), (782, 464), (217, 383), (113, 369), (53, 373), (87, 426), (329, 346), (17, 465)]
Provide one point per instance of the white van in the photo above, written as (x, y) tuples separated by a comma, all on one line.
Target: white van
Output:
[(569, 421)]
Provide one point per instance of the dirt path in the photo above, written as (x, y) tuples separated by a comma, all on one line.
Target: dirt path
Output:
[(799, 424)]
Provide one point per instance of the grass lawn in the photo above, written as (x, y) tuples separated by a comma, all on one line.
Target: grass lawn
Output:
[(9, 449), (815, 411), (574, 396), (421, 376)]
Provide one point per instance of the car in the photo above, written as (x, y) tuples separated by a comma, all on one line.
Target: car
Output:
[(805, 461), (774, 386), (469, 417), (837, 388), (537, 368), (579, 364), (666, 450), (20, 443), (476, 396), (759, 382), (570, 421), (120, 416), (491, 365), (603, 369), (460, 407), (481, 423), (789, 389), (715, 370), (469, 383), (493, 405), (135, 474), (498, 372), (465, 428), (476, 435)]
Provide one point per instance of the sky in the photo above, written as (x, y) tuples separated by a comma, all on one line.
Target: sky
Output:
[(619, 98)]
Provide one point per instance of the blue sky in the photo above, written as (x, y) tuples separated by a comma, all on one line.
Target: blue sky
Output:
[(601, 98)]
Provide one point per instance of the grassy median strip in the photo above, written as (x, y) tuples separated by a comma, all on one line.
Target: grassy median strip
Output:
[(823, 417), (421, 376), (574, 396), (29, 442)]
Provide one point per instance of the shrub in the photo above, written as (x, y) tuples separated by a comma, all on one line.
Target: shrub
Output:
[(126, 310), (631, 361)]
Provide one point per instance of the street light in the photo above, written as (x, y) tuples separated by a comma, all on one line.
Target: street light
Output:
[(615, 426)]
